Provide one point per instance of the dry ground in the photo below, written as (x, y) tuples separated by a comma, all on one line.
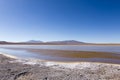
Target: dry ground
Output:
[(91, 71)]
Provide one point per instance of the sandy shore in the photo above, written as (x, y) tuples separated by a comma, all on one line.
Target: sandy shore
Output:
[(12, 68)]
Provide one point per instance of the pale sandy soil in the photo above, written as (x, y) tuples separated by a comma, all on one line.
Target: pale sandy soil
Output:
[(12, 68)]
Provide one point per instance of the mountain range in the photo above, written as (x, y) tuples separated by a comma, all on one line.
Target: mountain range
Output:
[(66, 42), (34, 41)]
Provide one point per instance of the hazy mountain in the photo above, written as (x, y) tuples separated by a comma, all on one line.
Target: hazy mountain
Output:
[(3, 42), (34, 41), (66, 42), (37, 42)]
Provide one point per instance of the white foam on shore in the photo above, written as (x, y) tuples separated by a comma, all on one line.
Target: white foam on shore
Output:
[(71, 65), (79, 65), (53, 64)]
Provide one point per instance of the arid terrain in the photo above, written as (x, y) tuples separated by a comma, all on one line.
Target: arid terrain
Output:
[(59, 39), (16, 69)]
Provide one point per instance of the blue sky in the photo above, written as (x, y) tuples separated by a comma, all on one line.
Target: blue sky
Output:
[(51, 20)]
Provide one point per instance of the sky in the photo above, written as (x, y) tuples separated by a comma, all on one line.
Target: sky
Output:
[(95, 21)]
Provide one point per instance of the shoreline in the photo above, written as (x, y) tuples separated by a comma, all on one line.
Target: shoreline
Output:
[(7, 55), (110, 57), (36, 61), (13, 69)]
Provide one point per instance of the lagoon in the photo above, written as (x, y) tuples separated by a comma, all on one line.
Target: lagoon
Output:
[(21, 51)]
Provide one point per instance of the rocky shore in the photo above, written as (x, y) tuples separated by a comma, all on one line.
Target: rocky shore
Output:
[(30, 69)]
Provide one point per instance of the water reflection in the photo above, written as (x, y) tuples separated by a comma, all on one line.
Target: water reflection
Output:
[(26, 54)]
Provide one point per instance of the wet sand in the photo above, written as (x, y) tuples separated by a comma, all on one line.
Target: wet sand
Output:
[(14, 69)]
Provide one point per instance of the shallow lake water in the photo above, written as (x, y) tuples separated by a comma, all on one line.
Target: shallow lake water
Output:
[(68, 47), (25, 54)]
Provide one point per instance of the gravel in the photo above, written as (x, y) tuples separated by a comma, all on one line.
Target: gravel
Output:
[(29, 69)]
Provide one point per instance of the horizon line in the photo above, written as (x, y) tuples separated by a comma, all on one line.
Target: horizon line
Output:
[(64, 40)]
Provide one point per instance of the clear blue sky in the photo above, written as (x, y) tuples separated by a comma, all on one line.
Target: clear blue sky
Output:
[(51, 20)]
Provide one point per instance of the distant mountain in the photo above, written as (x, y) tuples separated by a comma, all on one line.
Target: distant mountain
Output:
[(74, 42), (66, 42), (34, 41), (3, 42), (37, 42)]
